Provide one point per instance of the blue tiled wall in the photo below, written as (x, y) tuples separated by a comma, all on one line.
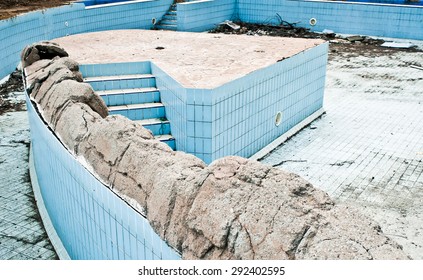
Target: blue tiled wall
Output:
[(174, 98), (91, 221), (239, 118), (204, 14), (110, 69), (200, 123), (17, 32), (341, 17), (244, 111), (189, 112)]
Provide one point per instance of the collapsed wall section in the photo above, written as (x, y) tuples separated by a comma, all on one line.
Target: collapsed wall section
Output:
[(232, 209)]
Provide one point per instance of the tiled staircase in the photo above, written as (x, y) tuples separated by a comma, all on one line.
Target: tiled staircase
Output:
[(169, 20), (136, 97)]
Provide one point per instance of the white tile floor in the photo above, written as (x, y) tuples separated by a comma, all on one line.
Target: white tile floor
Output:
[(367, 150)]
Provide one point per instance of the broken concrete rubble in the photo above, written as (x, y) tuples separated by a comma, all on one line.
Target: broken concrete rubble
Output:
[(234, 208)]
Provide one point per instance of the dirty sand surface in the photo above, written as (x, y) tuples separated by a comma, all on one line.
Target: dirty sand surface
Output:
[(195, 60)]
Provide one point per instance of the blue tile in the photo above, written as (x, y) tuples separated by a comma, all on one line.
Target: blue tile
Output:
[(199, 129), (207, 113), (198, 113), (190, 128), (190, 112), (190, 147), (207, 128)]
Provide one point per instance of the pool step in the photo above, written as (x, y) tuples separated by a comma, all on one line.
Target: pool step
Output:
[(111, 69), (168, 139), (103, 83), (141, 111), (167, 27), (117, 97), (170, 17), (158, 126), (134, 96), (117, 77), (169, 20)]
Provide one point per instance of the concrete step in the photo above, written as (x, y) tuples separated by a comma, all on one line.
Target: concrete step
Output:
[(168, 139), (168, 22), (117, 77), (158, 126), (165, 137), (105, 83), (137, 112), (110, 69), (169, 17), (167, 27), (117, 97)]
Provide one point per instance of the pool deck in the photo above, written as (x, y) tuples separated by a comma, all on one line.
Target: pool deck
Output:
[(195, 60)]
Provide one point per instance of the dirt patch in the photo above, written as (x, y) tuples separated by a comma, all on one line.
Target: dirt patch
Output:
[(7, 102), (352, 46), (11, 8)]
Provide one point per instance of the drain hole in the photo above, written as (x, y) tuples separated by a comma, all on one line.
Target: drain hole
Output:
[(153, 21), (278, 118), (313, 21)]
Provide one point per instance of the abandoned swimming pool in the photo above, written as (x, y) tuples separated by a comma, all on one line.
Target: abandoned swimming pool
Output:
[(218, 108)]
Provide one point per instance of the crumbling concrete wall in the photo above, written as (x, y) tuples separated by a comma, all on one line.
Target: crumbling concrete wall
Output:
[(232, 209)]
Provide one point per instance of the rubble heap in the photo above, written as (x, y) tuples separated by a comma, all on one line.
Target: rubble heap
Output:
[(234, 208)]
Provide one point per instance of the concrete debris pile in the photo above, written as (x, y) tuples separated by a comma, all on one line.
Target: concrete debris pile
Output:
[(232, 209)]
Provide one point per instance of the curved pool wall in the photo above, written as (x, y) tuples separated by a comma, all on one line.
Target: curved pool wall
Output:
[(91, 221), (22, 30)]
